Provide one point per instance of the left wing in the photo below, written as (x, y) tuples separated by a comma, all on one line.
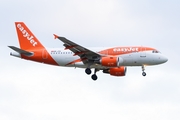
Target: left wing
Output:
[(86, 55)]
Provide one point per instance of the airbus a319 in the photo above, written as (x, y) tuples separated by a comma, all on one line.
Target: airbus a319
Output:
[(111, 61)]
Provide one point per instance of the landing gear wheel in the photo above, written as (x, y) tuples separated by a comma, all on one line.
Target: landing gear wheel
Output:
[(94, 77), (144, 74), (143, 69), (88, 71)]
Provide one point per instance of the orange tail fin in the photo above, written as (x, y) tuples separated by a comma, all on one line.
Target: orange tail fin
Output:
[(27, 40)]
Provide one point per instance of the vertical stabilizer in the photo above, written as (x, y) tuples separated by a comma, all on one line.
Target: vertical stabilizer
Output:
[(30, 47), (27, 40)]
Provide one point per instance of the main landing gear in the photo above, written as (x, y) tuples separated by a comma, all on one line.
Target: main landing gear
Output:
[(94, 76), (88, 71), (143, 69)]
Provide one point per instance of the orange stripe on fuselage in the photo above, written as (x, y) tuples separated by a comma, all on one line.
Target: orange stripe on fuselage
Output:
[(124, 50), (118, 51)]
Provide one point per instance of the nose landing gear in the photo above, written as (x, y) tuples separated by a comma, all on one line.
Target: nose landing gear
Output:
[(144, 73), (143, 69)]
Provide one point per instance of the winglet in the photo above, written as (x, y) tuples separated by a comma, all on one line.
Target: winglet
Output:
[(55, 36)]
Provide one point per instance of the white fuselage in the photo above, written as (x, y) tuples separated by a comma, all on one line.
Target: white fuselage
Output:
[(63, 57), (112, 61)]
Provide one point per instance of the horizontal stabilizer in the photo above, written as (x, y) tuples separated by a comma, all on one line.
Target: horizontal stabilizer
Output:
[(21, 51)]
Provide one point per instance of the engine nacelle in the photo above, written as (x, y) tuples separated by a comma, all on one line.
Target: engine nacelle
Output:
[(111, 61), (117, 71)]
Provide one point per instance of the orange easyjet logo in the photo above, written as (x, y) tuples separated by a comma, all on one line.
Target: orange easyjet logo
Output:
[(129, 49), (27, 35)]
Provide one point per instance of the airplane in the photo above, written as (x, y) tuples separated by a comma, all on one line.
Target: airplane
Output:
[(113, 61)]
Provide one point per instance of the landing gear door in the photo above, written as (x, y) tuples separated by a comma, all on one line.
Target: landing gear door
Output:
[(143, 52)]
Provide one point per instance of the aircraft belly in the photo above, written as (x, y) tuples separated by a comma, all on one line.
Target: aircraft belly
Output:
[(65, 60)]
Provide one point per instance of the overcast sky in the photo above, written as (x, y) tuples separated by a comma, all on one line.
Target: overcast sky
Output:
[(34, 91)]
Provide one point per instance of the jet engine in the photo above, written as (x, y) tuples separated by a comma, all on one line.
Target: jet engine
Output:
[(111, 61), (117, 71)]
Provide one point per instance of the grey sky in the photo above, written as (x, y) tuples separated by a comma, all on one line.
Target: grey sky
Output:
[(30, 90)]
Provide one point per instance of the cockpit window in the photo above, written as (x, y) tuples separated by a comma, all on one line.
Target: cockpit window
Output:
[(155, 51)]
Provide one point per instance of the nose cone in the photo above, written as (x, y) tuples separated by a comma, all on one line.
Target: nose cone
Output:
[(163, 59)]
